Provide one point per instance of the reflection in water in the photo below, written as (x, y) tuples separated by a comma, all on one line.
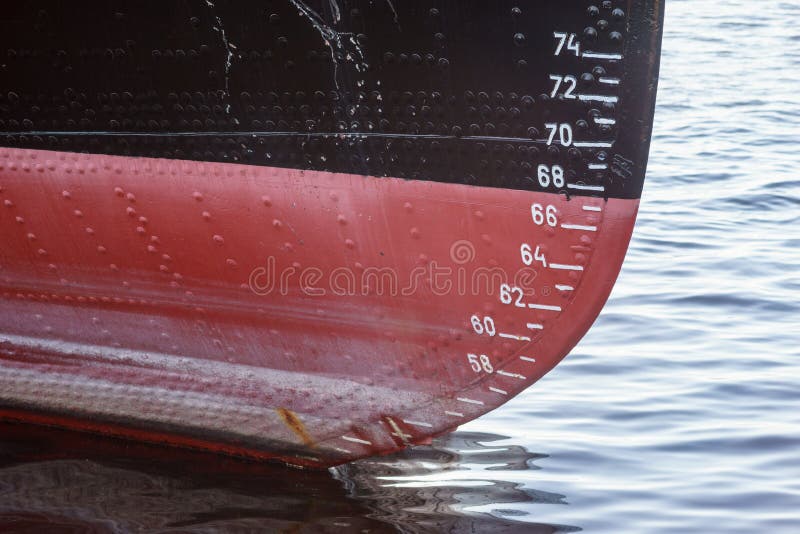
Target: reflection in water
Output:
[(58, 481), (430, 489)]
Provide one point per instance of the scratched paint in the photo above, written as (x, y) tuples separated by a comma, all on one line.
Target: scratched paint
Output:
[(296, 425)]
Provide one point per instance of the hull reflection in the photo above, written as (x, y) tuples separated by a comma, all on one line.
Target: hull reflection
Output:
[(63, 481)]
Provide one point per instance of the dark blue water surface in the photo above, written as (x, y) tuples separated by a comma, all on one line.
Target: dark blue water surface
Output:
[(679, 411)]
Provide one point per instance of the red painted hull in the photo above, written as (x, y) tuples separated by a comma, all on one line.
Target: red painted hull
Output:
[(309, 316)]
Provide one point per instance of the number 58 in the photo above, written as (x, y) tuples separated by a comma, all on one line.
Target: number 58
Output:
[(479, 363)]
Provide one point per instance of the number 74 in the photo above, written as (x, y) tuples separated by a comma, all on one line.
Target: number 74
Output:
[(570, 39)]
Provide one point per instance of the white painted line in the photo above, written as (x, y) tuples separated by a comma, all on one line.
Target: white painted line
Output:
[(534, 326), (397, 432), (527, 359), (579, 227), (417, 423), (344, 451), (454, 414), (564, 288), (469, 401), (601, 55), (592, 208), (599, 98), (357, 440), (562, 267), (512, 336), (598, 166), (593, 144), (544, 307), (511, 375), (604, 120), (580, 187), (500, 391), (609, 81)]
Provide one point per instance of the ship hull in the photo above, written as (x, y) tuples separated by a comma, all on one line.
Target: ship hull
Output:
[(286, 309), (318, 247)]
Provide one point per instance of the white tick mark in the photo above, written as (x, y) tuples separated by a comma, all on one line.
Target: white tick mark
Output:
[(510, 375), (579, 227), (563, 267), (593, 144), (417, 423), (512, 336), (600, 55), (599, 98), (357, 440), (544, 307)]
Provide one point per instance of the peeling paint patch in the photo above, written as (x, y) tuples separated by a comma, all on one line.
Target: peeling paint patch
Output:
[(229, 47), (333, 38), (295, 425)]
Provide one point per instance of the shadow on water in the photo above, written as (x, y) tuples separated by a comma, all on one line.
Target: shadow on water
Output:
[(57, 481)]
